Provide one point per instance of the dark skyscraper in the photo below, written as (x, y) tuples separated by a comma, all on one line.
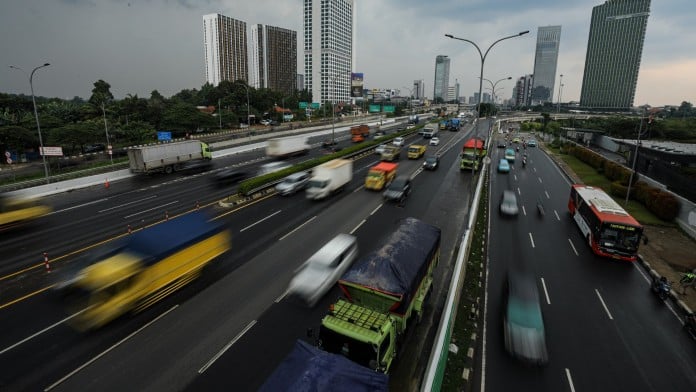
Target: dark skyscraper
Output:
[(545, 61), (614, 50)]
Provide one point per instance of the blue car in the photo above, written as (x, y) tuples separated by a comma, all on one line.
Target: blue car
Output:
[(532, 143), (510, 155), (503, 166)]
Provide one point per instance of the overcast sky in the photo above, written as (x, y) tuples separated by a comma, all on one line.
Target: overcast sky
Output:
[(142, 45)]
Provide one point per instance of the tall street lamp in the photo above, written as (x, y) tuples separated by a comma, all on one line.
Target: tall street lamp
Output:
[(560, 91), (495, 84), (248, 112), (106, 130), (36, 114), (478, 111)]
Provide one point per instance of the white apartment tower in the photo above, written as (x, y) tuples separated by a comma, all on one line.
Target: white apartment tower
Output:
[(225, 41), (328, 49), (418, 89), (273, 58)]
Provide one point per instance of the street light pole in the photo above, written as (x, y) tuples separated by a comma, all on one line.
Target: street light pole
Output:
[(36, 115), (560, 91), (106, 130), (478, 111), (495, 84)]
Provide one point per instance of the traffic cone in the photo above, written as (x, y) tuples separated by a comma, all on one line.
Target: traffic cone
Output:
[(46, 263), (106, 183)]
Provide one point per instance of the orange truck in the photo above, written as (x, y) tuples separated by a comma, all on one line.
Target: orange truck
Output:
[(359, 133), (380, 175)]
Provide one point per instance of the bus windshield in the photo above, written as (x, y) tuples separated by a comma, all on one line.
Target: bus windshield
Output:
[(619, 237)]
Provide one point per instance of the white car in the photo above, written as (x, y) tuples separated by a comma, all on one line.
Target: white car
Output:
[(293, 183), (435, 141), (380, 149), (398, 141), (323, 269)]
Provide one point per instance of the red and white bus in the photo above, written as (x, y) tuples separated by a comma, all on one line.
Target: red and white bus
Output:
[(609, 229)]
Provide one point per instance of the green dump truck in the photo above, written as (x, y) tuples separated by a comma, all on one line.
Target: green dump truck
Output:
[(384, 294)]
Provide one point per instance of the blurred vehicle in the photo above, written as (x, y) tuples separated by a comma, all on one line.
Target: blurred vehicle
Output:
[(380, 149), (523, 321), (415, 151), (329, 143), (501, 143), (473, 152), (380, 175), (508, 203), (503, 166), (283, 147), (391, 154), (516, 140), (432, 162), (532, 143), (398, 141), (265, 122), (329, 177), (231, 176), (272, 167), (273, 123), (321, 271), (435, 141), (359, 133), (510, 155), (149, 265), (293, 183), (167, 157), (15, 211), (94, 148), (398, 190)]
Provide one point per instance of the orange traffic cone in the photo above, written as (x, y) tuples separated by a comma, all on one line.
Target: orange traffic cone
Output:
[(106, 183)]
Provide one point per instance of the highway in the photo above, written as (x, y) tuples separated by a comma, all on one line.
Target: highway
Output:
[(605, 328), (232, 326)]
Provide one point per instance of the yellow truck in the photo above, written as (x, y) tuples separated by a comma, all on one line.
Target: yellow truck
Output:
[(415, 151), (143, 268), (391, 153), (15, 211), (380, 175)]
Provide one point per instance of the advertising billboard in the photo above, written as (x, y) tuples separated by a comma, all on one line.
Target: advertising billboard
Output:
[(356, 85)]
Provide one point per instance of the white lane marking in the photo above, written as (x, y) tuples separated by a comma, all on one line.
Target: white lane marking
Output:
[(547, 195), (150, 209), (570, 380), (539, 180), (524, 211), (360, 188), (297, 228), (603, 304), (531, 239), (573, 246), (515, 176), (519, 192), (55, 384), (543, 284), (277, 300), (126, 204), (227, 347), (78, 206), (376, 208), (39, 333), (357, 227), (557, 217), (261, 220)]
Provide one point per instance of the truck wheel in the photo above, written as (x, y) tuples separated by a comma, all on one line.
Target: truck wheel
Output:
[(168, 169)]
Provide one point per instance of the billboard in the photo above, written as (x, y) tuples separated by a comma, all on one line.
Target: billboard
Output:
[(356, 84)]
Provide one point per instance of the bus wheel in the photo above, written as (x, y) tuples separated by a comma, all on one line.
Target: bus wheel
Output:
[(168, 170)]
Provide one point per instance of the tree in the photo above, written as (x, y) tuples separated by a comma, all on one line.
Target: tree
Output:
[(13, 137), (101, 94)]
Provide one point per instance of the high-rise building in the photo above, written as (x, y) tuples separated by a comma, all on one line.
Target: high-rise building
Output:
[(225, 41), (328, 49), (545, 60), (441, 83), (523, 91), (614, 50), (418, 89), (273, 58), (300, 82)]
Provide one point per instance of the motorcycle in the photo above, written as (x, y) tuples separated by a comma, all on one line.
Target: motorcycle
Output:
[(524, 162), (661, 287), (540, 209)]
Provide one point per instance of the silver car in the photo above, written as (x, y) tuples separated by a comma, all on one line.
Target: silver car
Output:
[(293, 183), (508, 203)]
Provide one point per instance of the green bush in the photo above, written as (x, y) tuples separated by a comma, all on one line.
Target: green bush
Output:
[(619, 190), (666, 206)]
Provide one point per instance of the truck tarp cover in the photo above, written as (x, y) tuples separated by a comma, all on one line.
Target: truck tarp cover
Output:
[(309, 369), (398, 267)]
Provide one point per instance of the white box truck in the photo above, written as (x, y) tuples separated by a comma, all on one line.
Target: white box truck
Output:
[(283, 147), (167, 157), (430, 131), (329, 177)]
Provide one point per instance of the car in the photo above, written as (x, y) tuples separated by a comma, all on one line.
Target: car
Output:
[(532, 143), (503, 166), (435, 141), (273, 123), (501, 144), (523, 322), (508, 203), (398, 190), (293, 183), (431, 162), (510, 155), (329, 143), (230, 176), (320, 272), (380, 149), (265, 122), (398, 141), (516, 140)]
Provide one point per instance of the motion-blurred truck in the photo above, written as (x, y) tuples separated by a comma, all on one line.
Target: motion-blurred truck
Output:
[(384, 292), (143, 268), (415, 151), (380, 175), (391, 153), (454, 124), (358, 133), (430, 131), (168, 157), (284, 147), (15, 211), (473, 152), (329, 177)]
